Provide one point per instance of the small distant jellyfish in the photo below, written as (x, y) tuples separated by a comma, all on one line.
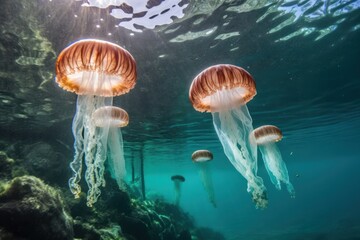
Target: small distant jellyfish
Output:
[(178, 180), (224, 91), (96, 71), (202, 159), (266, 138), (109, 142)]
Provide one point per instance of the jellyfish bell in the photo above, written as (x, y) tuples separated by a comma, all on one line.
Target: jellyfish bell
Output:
[(267, 134), (110, 116), (266, 138), (109, 142), (224, 91), (201, 158), (221, 87), (177, 179), (96, 71), (96, 67)]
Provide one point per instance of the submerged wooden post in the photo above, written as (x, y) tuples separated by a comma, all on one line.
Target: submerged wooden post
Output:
[(132, 168), (142, 172)]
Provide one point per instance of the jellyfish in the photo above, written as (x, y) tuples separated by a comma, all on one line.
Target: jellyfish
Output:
[(177, 179), (202, 159), (96, 71), (109, 120), (266, 138), (224, 91)]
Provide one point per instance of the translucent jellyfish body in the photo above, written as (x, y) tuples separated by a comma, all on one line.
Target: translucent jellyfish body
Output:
[(96, 71), (224, 91), (178, 180), (202, 159), (266, 138), (109, 142)]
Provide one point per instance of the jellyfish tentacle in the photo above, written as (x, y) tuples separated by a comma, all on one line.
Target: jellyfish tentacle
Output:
[(276, 166), (76, 164), (90, 146), (242, 116), (177, 193), (206, 178), (101, 154), (290, 189), (116, 156), (238, 136), (273, 178), (235, 142), (102, 146)]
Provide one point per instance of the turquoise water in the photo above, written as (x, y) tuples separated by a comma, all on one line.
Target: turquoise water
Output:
[(304, 57)]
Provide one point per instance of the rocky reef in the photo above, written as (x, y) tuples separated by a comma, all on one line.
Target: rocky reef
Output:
[(30, 209), (35, 203)]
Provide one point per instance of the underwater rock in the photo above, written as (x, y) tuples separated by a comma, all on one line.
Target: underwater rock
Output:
[(116, 199), (6, 164), (112, 203), (184, 235), (85, 231), (90, 232), (33, 210), (156, 222), (208, 234), (44, 161), (112, 232), (135, 228), (101, 221), (183, 220), (118, 215)]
